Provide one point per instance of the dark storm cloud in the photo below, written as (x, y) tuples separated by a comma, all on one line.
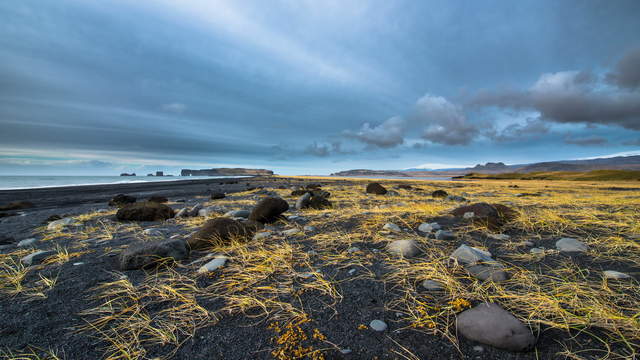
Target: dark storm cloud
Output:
[(516, 132), (586, 141), (626, 73)]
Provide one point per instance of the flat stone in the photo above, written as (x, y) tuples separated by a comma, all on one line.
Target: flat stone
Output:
[(537, 251), (445, 235), (491, 272), (428, 228), (571, 245), (404, 248), (432, 285), (353, 249), (499, 237), (27, 242), (291, 232), (490, 324), (469, 215), (470, 256), (612, 274), (262, 235), (391, 227), (36, 257), (529, 243), (345, 351), (378, 325), (153, 232), (54, 225), (218, 262), (310, 228), (238, 213)]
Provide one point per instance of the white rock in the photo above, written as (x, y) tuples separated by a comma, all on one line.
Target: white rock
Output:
[(153, 232), (571, 245), (378, 325), (27, 242), (537, 251), (36, 257), (238, 213), (470, 256), (499, 237), (428, 228), (469, 215), (612, 274), (345, 351), (391, 227), (291, 232), (262, 235), (352, 271), (78, 263), (214, 264), (310, 228), (445, 235), (404, 248), (60, 223), (432, 285)]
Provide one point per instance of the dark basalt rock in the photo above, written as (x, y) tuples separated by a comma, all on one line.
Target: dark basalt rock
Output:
[(17, 205), (491, 215), (220, 231), (268, 210), (299, 192), (405, 187), (158, 199), (121, 200), (155, 253), (439, 194), (217, 195), (376, 188), (313, 186), (145, 211)]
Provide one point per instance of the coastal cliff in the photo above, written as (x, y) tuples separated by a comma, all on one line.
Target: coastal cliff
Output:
[(225, 172)]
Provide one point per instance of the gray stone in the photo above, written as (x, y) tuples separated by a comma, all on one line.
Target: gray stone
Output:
[(303, 201), (445, 235), (404, 248), (262, 235), (469, 215), (291, 232), (470, 256), (536, 251), (36, 257), (153, 232), (490, 324), (345, 351), (491, 272), (214, 264), (378, 325), (428, 228), (152, 253), (310, 228), (353, 249), (529, 243), (571, 245), (57, 224), (499, 237), (455, 198), (351, 272), (391, 227), (195, 210), (432, 285), (616, 275), (27, 242), (238, 213)]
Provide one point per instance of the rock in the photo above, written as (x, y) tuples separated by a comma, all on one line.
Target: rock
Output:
[(432, 285), (392, 193), (262, 235), (17, 205), (4, 240), (455, 198), (345, 351), (238, 213), (152, 253), (378, 325), (490, 324), (145, 211), (313, 186), (499, 237), (303, 201), (439, 194), (486, 214), (268, 210), (195, 210), (209, 211), (428, 228), (571, 245), (158, 199), (404, 248), (217, 195), (218, 262), (376, 188), (468, 255), (536, 251), (405, 187), (27, 242), (310, 228), (319, 203), (445, 235), (219, 231), (391, 227), (54, 225), (469, 215), (36, 257), (291, 232), (153, 232), (353, 249), (298, 192), (609, 274), (121, 200), (491, 272), (182, 213), (529, 243), (351, 272)]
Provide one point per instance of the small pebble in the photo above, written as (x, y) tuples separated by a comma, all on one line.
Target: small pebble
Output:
[(378, 325)]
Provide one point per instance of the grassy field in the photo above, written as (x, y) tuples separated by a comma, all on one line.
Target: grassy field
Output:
[(595, 175), (291, 286)]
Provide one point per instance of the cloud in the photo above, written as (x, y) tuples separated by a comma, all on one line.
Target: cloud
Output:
[(324, 150), (626, 73), (516, 131), (635, 142), (586, 141), (443, 122), (177, 108), (388, 134)]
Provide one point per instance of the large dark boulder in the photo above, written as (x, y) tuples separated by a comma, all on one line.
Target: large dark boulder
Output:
[(269, 210), (376, 188), (153, 253), (313, 186), (299, 192), (17, 205), (121, 200), (221, 231), (486, 214), (217, 195), (145, 211), (313, 200), (158, 199), (439, 194)]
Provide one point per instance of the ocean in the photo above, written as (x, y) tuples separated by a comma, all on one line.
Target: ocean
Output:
[(31, 182)]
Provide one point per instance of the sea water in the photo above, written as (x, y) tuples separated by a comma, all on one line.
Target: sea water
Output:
[(30, 182)]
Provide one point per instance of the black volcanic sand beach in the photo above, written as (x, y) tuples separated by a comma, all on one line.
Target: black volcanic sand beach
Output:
[(313, 283)]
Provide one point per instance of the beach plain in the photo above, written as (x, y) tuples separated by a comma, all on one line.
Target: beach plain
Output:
[(311, 284)]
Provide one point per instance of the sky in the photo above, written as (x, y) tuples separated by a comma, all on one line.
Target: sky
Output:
[(99, 87)]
